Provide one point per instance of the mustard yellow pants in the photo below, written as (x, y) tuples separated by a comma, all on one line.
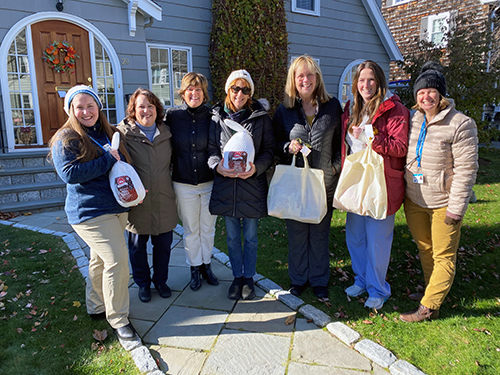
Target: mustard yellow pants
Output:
[(437, 244)]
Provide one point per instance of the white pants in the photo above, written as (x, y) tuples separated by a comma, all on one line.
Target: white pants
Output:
[(198, 222), (107, 284)]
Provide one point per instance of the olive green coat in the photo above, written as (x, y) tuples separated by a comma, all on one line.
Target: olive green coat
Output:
[(157, 214)]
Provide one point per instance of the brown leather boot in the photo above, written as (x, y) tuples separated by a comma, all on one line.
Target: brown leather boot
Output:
[(419, 314)]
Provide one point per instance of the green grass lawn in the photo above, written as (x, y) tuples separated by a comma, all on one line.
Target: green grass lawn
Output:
[(466, 338), (44, 326)]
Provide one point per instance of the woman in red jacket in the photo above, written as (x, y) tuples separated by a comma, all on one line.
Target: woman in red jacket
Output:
[(369, 240)]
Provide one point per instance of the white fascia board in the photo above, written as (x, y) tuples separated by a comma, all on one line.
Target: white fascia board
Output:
[(382, 29), (150, 8), (146, 7)]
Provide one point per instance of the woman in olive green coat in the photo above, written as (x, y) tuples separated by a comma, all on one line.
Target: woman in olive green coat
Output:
[(148, 141)]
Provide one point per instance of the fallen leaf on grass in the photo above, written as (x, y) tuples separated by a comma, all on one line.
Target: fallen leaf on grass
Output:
[(290, 320), (100, 335), (44, 281), (278, 261), (395, 307), (42, 251), (19, 330), (75, 318), (366, 321), (76, 304)]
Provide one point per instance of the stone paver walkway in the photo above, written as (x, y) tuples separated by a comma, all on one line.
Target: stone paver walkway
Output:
[(204, 332)]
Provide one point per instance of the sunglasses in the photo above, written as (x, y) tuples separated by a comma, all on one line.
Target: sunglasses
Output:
[(244, 90)]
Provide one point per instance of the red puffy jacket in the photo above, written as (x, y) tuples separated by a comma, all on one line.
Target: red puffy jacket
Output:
[(391, 141)]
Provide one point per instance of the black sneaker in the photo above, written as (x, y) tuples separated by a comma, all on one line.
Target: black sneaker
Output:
[(98, 316), (234, 291), (296, 289), (163, 290), (320, 291), (248, 290), (145, 293)]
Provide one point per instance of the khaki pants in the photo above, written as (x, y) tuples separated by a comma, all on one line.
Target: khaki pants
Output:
[(107, 284), (437, 244)]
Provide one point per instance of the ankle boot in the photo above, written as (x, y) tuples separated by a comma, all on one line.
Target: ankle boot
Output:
[(207, 274), (234, 291), (195, 283), (248, 289)]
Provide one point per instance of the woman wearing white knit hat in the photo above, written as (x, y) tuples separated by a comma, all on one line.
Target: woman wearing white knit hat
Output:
[(240, 196)]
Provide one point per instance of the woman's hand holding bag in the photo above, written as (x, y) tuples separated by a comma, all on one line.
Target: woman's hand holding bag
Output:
[(125, 183), (297, 193), (361, 188)]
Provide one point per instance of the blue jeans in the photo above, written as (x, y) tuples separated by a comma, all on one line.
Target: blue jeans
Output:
[(243, 259)]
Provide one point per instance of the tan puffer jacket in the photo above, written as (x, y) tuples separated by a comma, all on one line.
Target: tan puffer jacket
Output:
[(449, 161)]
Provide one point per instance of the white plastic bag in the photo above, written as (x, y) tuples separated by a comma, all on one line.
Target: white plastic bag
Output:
[(239, 151), (125, 183), (297, 193), (361, 188)]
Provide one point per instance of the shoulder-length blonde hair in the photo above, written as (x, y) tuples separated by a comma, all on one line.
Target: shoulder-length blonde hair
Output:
[(319, 94), (72, 131), (359, 108), (152, 98), (194, 79), (228, 101)]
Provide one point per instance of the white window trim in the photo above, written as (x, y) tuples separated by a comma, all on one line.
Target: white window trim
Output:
[(26, 23), (393, 3), (170, 74), (315, 12), (430, 20), (347, 69)]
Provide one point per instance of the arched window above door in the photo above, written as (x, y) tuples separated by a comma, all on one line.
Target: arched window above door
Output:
[(345, 84)]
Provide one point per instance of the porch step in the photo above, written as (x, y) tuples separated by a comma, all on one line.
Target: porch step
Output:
[(41, 205), (31, 192), (28, 182)]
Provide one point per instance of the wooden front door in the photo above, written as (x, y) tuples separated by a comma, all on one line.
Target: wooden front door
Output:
[(44, 33)]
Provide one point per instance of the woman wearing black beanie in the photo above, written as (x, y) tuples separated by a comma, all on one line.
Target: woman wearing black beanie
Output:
[(440, 174)]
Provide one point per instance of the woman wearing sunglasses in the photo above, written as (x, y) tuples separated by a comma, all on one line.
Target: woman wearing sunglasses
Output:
[(241, 197)]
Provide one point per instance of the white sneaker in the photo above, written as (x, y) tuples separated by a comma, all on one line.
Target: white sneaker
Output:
[(354, 291), (375, 303)]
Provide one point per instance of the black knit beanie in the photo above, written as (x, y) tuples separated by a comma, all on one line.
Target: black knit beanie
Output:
[(431, 77)]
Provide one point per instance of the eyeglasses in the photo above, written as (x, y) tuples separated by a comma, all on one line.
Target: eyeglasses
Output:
[(244, 90)]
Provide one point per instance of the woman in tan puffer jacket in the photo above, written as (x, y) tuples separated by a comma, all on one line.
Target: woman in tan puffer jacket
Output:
[(440, 174)]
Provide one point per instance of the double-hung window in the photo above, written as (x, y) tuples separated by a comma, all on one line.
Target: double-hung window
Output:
[(435, 27), (310, 7), (167, 66)]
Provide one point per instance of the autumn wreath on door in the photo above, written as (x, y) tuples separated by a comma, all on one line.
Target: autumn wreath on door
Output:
[(61, 56)]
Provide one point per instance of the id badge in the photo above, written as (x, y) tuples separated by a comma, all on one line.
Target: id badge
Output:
[(305, 150), (418, 178)]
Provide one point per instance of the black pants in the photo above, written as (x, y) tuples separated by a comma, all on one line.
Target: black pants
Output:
[(308, 251), (137, 248)]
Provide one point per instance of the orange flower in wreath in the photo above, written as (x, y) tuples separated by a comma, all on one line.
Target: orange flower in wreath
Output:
[(62, 64)]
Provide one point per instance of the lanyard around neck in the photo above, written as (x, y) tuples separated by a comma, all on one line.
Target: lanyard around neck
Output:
[(420, 143), (107, 144)]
